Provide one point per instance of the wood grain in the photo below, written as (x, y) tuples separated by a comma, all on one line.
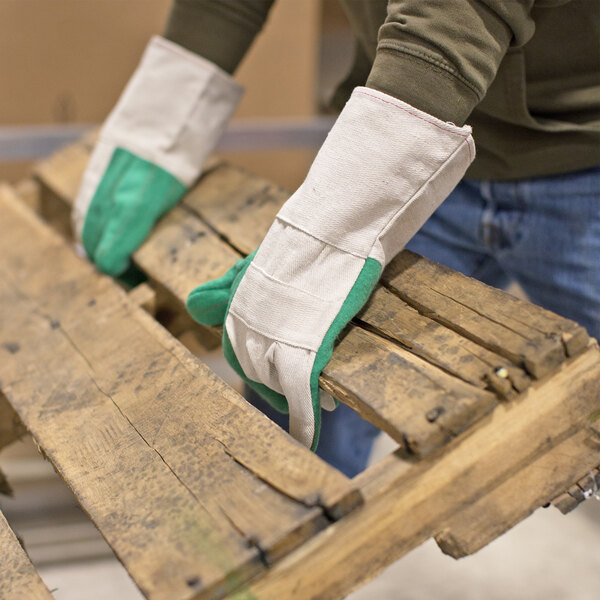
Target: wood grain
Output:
[(237, 205), (407, 502), (18, 577), (534, 486), (522, 332), (417, 404), (391, 317)]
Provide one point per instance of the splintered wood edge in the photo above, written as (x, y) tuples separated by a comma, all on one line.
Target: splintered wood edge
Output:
[(516, 498), (586, 487), (541, 353)]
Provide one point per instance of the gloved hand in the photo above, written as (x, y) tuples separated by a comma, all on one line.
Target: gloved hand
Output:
[(382, 171), (151, 149)]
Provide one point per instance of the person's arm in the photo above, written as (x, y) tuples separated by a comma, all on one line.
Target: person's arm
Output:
[(220, 31), (396, 151), (441, 55), (168, 120)]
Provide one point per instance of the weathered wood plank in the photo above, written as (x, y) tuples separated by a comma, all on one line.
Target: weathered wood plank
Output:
[(18, 577), (239, 206), (407, 502), (187, 481), (508, 504), (391, 317), (419, 405), (518, 330)]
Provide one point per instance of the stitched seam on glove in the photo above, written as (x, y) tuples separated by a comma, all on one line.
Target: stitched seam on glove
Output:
[(268, 335), (286, 221), (449, 127), (302, 291)]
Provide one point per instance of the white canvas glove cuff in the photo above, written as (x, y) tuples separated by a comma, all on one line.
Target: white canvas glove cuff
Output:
[(382, 171), (172, 113)]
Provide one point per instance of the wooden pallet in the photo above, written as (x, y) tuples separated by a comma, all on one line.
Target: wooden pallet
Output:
[(494, 403)]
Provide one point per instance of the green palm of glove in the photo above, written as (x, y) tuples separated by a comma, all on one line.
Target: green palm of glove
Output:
[(209, 304), (132, 195)]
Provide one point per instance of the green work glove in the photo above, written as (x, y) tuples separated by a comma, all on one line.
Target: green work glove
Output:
[(383, 170), (151, 149)]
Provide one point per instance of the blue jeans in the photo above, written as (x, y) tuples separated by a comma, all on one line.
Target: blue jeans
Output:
[(543, 233)]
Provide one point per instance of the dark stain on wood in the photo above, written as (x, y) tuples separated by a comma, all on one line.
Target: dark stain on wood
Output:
[(12, 347)]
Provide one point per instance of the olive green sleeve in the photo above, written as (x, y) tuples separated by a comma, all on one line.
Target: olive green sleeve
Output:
[(442, 55), (218, 30)]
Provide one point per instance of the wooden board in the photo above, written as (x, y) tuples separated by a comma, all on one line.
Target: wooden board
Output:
[(535, 485), (400, 392), (194, 489), (520, 331), (238, 206), (406, 502), (18, 577), (390, 317)]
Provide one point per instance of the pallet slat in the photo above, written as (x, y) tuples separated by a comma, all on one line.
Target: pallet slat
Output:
[(391, 317), (522, 332), (21, 580), (419, 405), (237, 205), (515, 499), (156, 448)]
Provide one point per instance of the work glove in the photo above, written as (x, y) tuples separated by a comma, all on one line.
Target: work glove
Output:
[(151, 149), (382, 171)]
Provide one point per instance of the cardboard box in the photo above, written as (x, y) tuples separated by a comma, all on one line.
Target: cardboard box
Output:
[(66, 61)]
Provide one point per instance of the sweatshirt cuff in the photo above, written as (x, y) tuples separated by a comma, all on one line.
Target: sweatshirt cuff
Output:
[(422, 84), (211, 34)]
